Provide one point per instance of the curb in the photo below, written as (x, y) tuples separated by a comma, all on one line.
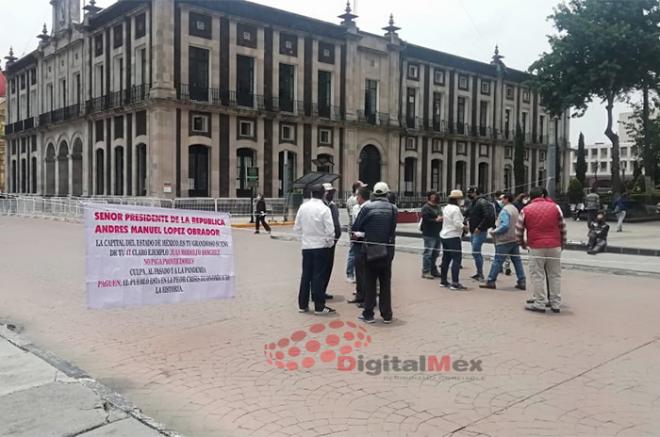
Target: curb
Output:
[(12, 334), (566, 265)]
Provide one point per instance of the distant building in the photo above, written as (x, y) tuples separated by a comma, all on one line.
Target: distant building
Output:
[(599, 156), (182, 98)]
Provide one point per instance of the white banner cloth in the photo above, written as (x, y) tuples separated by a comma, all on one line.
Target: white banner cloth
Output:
[(144, 256)]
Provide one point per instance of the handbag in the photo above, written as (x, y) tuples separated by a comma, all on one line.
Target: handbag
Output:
[(375, 252)]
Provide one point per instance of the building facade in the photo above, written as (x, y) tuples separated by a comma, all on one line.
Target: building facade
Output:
[(178, 98), (3, 92), (598, 156)]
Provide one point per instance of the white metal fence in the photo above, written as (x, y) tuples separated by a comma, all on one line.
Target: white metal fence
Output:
[(72, 208)]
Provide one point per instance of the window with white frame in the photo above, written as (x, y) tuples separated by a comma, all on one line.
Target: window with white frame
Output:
[(483, 150), (461, 148), (509, 92), (325, 137), (525, 95), (508, 152), (413, 71), (463, 82), (439, 76), (526, 154), (411, 143), (246, 128), (200, 123), (437, 145), (485, 87), (542, 155), (287, 132)]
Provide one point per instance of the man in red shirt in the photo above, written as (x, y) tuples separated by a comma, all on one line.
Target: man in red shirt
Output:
[(543, 222)]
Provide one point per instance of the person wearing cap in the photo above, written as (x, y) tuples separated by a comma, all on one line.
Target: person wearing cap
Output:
[(351, 203), (481, 217), (317, 231), (376, 225), (328, 199), (452, 230)]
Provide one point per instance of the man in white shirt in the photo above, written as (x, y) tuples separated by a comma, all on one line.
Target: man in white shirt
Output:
[(352, 206), (315, 227)]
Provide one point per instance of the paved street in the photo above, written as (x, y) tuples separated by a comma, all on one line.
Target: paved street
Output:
[(593, 370)]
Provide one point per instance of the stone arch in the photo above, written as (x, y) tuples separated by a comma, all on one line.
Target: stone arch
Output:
[(370, 165)]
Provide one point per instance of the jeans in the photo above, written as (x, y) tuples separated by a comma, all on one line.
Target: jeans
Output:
[(545, 269), (350, 262), (378, 272), (477, 241), (451, 254), (431, 252), (314, 269), (620, 217), (501, 252)]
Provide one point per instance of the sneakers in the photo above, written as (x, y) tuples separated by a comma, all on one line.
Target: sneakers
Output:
[(521, 286), (326, 310), (555, 310), (477, 277), (303, 310), (350, 279), (426, 275), (444, 284), (366, 319), (531, 307), (489, 285), (387, 321), (354, 301), (531, 301), (457, 287), (507, 272)]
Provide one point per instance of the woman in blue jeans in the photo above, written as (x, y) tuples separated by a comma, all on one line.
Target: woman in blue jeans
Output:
[(452, 231)]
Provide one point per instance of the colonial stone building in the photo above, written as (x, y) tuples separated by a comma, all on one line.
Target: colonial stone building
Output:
[(180, 98)]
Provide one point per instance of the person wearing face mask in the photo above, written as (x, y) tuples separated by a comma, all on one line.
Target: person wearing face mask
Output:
[(506, 245), (452, 230), (328, 199), (522, 199), (598, 230), (481, 219)]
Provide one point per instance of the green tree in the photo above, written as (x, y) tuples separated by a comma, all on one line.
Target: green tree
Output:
[(603, 49), (575, 191), (646, 137), (581, 164), (519, 160)]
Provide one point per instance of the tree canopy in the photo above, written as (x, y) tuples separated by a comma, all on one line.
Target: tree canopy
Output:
[(602, 50)]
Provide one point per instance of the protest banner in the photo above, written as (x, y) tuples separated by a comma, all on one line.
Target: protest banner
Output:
[(144, 256)]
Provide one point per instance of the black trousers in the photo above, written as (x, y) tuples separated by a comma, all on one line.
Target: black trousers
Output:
[(451, 254), (314, 267), (378, 272), (331, 265), (359, 273), (262, 219)]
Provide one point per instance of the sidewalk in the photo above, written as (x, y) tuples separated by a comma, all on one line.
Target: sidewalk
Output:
[(38, 399)]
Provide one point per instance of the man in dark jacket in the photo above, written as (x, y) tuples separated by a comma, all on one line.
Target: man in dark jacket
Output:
[(329, 196), (598, 231), (431, 226), (376, 223), (481, 217), (260, 211)]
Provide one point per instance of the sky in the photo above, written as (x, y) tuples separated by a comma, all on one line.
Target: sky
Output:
[(468, 28)]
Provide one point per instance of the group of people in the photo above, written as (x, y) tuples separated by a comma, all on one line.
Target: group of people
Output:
[(372, 233), (531, 221)]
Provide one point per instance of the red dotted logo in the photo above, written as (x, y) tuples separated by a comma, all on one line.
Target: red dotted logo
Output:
[(318, 344)]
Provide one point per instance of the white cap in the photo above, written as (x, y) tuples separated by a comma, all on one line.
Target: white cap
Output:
[(381, 188), (328, 187)]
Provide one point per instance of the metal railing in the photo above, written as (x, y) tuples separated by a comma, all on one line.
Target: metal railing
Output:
[(72, 208)]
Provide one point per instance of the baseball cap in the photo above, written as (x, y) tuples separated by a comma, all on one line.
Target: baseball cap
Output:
[(328, 187), (381, 188)]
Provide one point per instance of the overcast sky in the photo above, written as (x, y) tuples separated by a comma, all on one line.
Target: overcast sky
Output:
[(468, 28)]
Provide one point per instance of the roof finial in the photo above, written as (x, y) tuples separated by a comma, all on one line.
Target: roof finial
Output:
[(348, 16), (391, 28), (11, 58), (44, 31), (43, 36), (91, 8), (496, 60)]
